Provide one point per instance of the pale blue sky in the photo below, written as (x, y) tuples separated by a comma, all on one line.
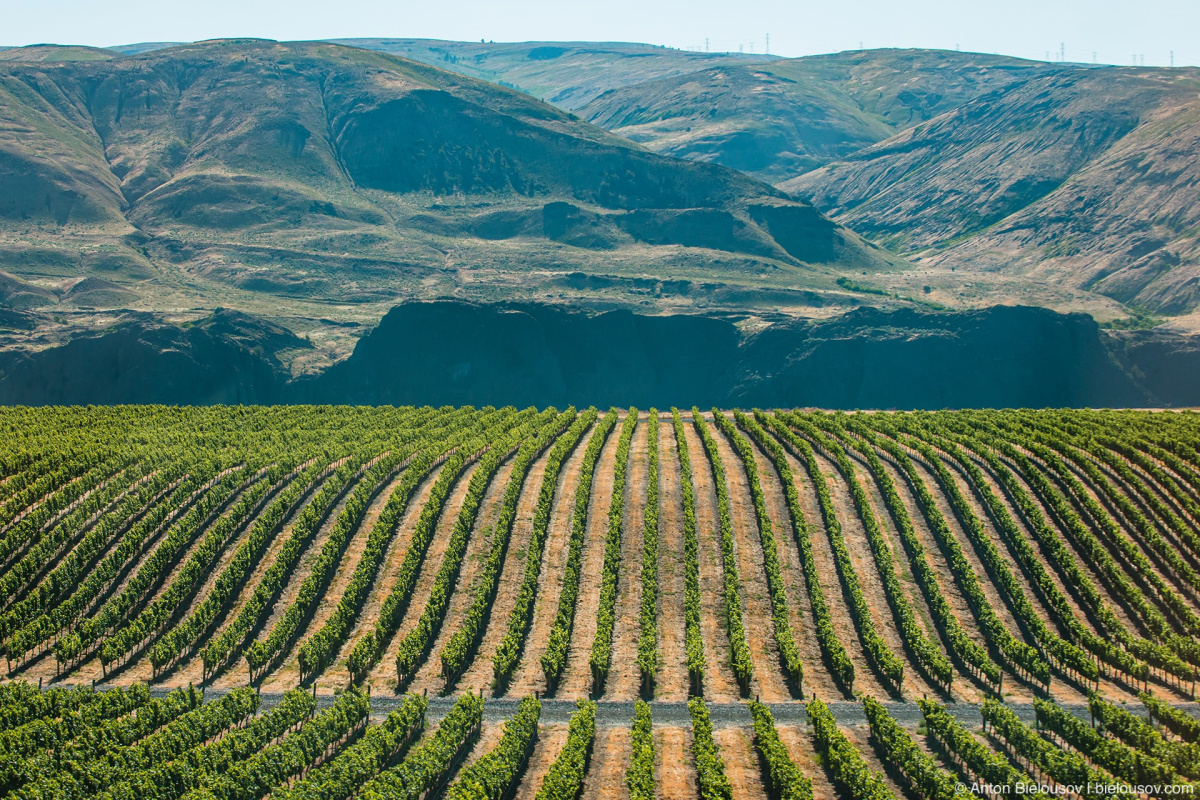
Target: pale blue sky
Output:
[(1112, 31)]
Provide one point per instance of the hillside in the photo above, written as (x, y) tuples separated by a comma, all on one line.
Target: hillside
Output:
[(1082, 176), (779, 119), (567, 74), (313, 181)]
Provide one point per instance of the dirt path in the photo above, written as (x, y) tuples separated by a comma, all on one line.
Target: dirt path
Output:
[(528, 676), (672, 680), (758, 617), (860, 736), (674, 767), (799, 744), (741, 762), (868, 574), (383, 676), (551, 739), (719, 683), (489, 737), (964, 688), (192, 667), (91, 669), (385, 580), (610, 758), (1122, 488), (577, 677), (831, 585), (624, 677), (1063, 691), (899, 557), (816, 676), (479, 674), (304, 568), (288, 674), (429, 676)]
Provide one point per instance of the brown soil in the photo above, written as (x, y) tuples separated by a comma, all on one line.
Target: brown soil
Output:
[(831, 585), (288, 673), (383, 676), (43, 666), (816, 676), (674, 767), (1123, 488), (741, 762), (964, 689), (1109, 689), (81, 530), (389, 572), (672, 680), (91, 669), (719, 683), (303, 570), (152, 541), (868, 574), (1173, 502), (1014, 689), (610, 759), (430, 674), (899, 559), (528, 676), (1063, 691), (479, 674), (576, 679), (799, 744), (624, 677), (860, 736), (489, 737), (757, 615), (193, 668), (551, 739)]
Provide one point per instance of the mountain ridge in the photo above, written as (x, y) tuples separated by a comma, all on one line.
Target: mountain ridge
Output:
[(310, 180)]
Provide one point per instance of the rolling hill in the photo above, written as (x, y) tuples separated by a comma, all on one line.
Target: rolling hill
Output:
[(1077, 176), (780, 119), (313, 181), (567, 74)]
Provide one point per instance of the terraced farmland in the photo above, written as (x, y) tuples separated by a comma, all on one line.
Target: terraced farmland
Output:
[(329, 602)]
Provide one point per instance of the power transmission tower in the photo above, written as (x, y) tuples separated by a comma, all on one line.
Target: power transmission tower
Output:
[(767, 46), (1172, 58), (1062, 57), (706, 44)]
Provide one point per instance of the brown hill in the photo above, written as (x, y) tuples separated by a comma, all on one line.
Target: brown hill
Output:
[(780, 119), (310, 180), (1078, 176)]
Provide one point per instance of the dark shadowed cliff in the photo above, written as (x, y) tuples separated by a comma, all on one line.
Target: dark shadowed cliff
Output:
[(458, 353)]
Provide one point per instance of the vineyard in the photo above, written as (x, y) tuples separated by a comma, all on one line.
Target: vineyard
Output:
[(332, 602)]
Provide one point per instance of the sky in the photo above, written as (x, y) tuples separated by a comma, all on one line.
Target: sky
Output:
[(1106, 31)]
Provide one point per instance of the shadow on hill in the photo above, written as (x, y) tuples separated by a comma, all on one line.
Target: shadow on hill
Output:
[(457, 353)]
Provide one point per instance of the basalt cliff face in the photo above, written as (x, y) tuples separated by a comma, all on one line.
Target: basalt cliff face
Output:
[(525, 354)]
